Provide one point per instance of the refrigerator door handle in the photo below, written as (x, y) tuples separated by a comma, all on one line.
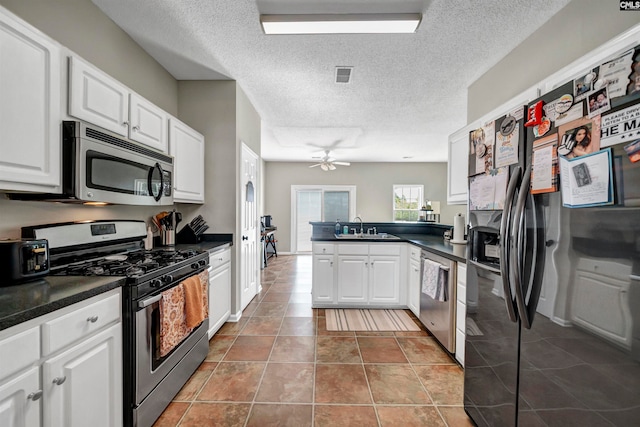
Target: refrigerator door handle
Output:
[(534, 279), (505, 239)]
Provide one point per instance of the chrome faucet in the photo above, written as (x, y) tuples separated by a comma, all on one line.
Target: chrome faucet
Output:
[(361, 226)]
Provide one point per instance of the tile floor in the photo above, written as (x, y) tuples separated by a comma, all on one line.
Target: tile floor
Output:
[(279, 366)]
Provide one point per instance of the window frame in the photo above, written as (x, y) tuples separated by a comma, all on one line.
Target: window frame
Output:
[(421, 201)]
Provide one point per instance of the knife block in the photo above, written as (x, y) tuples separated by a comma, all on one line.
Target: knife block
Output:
[(187, 235)]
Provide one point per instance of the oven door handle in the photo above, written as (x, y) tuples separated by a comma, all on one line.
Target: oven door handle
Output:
[(147, 302)]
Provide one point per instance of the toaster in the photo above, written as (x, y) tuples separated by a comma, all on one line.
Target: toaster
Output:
[(22, 260)]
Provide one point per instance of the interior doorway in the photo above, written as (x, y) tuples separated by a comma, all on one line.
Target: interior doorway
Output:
[(318, 203)]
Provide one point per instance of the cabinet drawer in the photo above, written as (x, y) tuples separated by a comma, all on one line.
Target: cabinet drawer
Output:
[(462, 273), (323, 248), (66, 329), (353, 249), (414, 252), (384, 249), (19, 351), (216, 259)]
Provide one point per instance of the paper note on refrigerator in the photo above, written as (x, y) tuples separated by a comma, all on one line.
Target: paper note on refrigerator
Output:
[(587, 180), (544, 176), (488, 191)]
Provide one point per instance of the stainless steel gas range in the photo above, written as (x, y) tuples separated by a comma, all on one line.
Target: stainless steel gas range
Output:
[(114, 248)]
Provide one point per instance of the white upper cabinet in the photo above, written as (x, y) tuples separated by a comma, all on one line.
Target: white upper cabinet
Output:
[(97, 98), (187, 147), (148, 123), (30, 108), (100, 99), (457, 167)]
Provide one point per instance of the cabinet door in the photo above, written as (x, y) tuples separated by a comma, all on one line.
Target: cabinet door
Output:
[(187, 147), (323, 279), (384, 279), (85, 383), (97, 98), (30, 113), (353, 278), (148, 124), (414, 287), (20, 400), (219, 297), (457, 167)]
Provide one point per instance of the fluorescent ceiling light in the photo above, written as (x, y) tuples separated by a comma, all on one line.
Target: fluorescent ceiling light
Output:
[(341, 24)]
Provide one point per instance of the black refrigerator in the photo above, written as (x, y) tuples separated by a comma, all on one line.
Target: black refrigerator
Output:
[(553, 271)]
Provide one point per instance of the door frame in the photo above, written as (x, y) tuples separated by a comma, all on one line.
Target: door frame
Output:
[(320, 187)]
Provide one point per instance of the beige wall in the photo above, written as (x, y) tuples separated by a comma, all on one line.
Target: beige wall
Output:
[(83, 28), (578, 28), (374, 189)]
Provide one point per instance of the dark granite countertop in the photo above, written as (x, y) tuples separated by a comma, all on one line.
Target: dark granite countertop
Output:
[(429, 242), (29, 300)]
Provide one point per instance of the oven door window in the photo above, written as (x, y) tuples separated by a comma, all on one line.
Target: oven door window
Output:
[(110, 173)]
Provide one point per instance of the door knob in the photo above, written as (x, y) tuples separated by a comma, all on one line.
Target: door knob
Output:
[(245, 238)]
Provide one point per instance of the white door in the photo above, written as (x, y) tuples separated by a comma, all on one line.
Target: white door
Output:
[(384, 279), (323, 279), (85, 383), (148, 123), (30, 111), (249, 248), (20, 400), (352, 278), (97, 98)]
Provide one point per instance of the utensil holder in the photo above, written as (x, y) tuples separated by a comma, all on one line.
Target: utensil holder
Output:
[(168, 237)]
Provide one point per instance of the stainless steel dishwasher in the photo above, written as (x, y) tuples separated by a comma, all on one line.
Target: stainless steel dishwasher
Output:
[(439, 317)]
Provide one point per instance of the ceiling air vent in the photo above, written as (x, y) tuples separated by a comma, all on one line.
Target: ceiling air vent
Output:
[(343, 74)]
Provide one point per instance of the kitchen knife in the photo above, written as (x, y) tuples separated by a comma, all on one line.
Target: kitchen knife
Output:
[(202, 229)]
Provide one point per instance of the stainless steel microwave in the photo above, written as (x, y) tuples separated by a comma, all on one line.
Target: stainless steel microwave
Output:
[(99, 166)]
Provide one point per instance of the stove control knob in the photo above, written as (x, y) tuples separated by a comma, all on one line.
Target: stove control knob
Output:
[(167, 278), (156, 283), (195, 266), (202, 263)]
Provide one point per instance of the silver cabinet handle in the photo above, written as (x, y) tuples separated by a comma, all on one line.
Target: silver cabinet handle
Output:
[(125, 123), (92, 319), (220, 259), (331, 264), (35, 395), (135, 128), (59, 380)]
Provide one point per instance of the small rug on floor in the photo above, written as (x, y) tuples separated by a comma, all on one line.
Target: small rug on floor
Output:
[(346, 319)]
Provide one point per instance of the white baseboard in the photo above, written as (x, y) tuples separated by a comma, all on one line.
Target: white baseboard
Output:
[(235, 317)]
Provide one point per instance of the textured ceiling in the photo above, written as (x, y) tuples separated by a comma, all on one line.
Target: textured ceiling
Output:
[(408, 91)]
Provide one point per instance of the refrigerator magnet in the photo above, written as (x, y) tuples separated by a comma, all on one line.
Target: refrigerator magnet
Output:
[(542, 128), (633, 151), (534, 114), (508, 125), (564, 103)]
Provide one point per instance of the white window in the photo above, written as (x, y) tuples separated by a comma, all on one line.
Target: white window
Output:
[(407, 201)]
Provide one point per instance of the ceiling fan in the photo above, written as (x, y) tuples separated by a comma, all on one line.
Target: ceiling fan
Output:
[(329, 164)]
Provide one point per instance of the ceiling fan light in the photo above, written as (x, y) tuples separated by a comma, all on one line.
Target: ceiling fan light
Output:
[(332, 167), (324, 167)]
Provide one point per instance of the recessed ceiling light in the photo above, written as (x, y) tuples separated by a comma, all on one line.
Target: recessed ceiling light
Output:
[(368, 23)]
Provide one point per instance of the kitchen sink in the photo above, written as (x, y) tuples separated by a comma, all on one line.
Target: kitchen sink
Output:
[(379, 236)]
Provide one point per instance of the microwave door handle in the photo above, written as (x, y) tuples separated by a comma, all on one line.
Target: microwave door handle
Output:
[(505, 239), (158, 196)]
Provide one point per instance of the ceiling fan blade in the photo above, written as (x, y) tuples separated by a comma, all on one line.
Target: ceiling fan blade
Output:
[(342, 163), (313, 166)]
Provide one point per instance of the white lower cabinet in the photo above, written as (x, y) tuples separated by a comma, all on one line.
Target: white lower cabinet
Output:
[(357, 274), (353, 278), (461, 310), (219, 289), (85, 383), (20, 400), (78, 383), (323, 279), (413, 300)]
